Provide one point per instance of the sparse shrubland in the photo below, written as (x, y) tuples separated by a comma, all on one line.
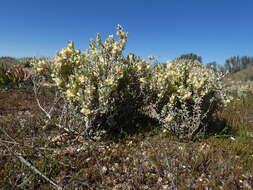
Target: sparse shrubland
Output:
[(144, 122), (111, 89)]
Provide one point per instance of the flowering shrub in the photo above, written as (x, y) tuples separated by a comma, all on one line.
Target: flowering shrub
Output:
[(111, 89), (185, 90), (107, 87), (42, 66)]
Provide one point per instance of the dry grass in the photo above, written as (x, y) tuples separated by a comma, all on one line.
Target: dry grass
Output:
[(243, 75), (146, 160)]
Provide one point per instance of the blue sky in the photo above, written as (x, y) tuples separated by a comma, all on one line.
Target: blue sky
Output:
[(213, 29)]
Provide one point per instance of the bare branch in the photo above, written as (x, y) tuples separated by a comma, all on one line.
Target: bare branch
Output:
[(28, 164)]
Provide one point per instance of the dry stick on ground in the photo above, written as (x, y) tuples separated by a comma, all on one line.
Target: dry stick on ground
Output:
[(24, 161), (25, 145), (36, 87)]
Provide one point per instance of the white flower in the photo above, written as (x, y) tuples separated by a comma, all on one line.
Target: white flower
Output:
[(169, 65), (143, 80), (139, 67), (168, 119), (70, 93), (85, 111), (104, 169), (117, 68), (187, 96), (88, 91), (58, 81), (110, 81), (82, 79)]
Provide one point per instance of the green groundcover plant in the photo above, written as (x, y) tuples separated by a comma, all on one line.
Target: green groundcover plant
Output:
[(14, 74), (110, 90)]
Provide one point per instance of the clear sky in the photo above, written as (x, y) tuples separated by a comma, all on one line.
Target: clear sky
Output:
[(213, 29)]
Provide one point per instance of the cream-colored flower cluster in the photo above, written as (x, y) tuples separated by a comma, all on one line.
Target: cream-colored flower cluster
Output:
[(65, 62), (181, 81), (41, 66), (90, 79)]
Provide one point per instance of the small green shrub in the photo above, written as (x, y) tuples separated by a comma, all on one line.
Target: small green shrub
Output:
[(18, 74), (4, 79), (42, 67), (13, 74)]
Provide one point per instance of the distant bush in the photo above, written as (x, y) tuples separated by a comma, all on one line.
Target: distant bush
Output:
[(236, 63), (7, 60), (25, 62), (13, 70), (42, 66), (18, 74), (13, 74), (190, 57), (111, 89)]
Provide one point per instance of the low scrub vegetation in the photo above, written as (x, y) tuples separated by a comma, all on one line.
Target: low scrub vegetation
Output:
[(100, 119), (110, 89), (13, 74)]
